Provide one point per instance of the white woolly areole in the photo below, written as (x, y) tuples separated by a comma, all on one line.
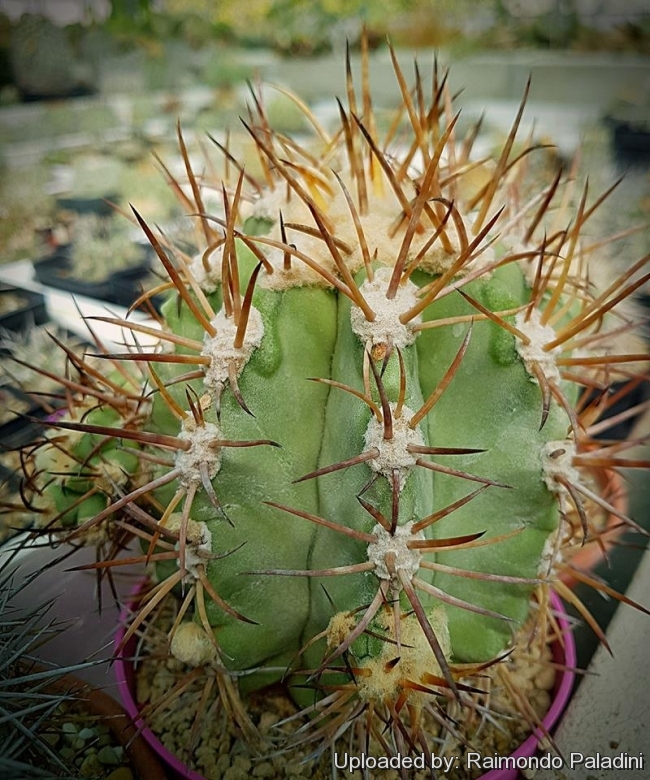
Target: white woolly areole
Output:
[(383, 239), (192, 646), (271, 202), (221, 350), (198, 543), (299, 274), (534, 352), (208, 279), (197, 551), (393, 453), (387, 543), (386, 328), (557, 457), (203, 451), (417, 661), (269, 206), (550, 556)]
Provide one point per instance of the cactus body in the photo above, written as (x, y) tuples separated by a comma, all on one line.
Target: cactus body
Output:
[(358, 450)]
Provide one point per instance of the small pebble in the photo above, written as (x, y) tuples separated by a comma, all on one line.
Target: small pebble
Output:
[(91, 767), (108, 756), (52, 738), (235, 773), (242, 763), (545, 678), (265, 769), (122, 773)]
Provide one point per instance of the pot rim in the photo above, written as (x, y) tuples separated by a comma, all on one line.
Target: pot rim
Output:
[(564, 652)]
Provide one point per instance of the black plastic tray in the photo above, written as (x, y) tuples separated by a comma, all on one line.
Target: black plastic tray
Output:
[(30, 311), (17, 407), (99, 206), (121, 287)]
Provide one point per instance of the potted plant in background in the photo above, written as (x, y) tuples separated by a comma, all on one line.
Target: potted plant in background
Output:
[(20, 309), (43, 346), (21, 314), (356, 462), (45, 63), (93, 183), (55, 724), (27, 212), (103, 260)]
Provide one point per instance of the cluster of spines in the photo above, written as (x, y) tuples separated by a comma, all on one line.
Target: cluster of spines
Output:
[(561, 311)]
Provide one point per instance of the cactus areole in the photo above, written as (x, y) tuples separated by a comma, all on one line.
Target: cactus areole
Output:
[(356, 454)]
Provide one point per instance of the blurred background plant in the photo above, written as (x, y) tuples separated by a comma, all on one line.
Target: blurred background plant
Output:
[(25, 208), (304, 26)]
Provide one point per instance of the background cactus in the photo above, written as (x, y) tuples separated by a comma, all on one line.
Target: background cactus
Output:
[(44, 61), (358, 452)]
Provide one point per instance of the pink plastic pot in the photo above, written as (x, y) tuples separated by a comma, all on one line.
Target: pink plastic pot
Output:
[(563, 654)]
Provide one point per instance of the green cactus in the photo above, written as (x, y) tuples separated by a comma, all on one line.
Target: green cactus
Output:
[(358, 452)]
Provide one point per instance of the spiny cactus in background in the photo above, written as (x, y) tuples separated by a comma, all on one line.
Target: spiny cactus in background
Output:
[(358, 452)]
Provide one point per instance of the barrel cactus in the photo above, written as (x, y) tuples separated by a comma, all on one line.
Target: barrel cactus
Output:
[(359, 452)]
